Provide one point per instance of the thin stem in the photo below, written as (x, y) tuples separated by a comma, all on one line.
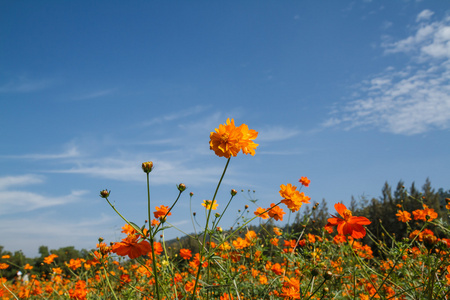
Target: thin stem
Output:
[(109, 284), (155, 273), (202, 249)]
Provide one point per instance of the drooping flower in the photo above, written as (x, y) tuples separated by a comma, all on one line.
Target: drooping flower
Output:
[(348, 224), (208, 204), (132, 247), (228, 140), (403, 216)]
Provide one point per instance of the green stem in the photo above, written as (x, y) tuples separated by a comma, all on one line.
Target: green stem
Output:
[(155, 272), (202, 249), (109, 284)]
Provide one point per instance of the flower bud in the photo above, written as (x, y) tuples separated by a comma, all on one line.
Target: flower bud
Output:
[(147, 167), (191, 194), (181, 187), (327, 275), (219, 229), (104, 193), (233, 192), (217, 215)]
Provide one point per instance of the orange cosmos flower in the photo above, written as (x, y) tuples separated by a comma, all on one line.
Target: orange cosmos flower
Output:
[(185, 253), (74, 263), (247, 144), (228, 140), (276, 212), (425, 214), (260, 212), (277, 231), (348, 225), (132, 247), (3, 266), (403, 216), (49, 259), (128, 229), (292, 198), (208, 204), (161, 211), (304, 181)]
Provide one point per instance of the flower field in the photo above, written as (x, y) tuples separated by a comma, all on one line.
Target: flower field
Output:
[(343, 259)]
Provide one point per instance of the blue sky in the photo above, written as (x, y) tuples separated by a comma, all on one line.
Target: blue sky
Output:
[(348, 93)]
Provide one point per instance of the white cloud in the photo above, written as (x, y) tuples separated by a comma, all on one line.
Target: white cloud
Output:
[(411, 99), (175, 116), (20, 201), (8, 181), (69, 153), (276, 133), (424, 15), (14, 201)]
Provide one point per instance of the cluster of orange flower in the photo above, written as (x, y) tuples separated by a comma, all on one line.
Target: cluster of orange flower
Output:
[(228, 140)]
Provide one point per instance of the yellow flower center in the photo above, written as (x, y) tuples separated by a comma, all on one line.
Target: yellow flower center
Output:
[(346, 214)]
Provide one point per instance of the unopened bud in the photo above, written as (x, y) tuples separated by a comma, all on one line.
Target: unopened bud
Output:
[(233, 192), (219, 229), (191, 194), (328, 275), (104, 193), (217, 215), (246, 206), (147, 167), (181, 187)]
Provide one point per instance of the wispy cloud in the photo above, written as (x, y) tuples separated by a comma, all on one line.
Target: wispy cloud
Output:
[(14, 201), (167, 171), (21, 180), (175, 116), (19, 201), (411, 99), (424, 15), (23, 84), (69, 153), (276, 133)]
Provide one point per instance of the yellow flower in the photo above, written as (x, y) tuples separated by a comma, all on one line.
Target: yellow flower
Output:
[(228, 140), (208, 204)]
